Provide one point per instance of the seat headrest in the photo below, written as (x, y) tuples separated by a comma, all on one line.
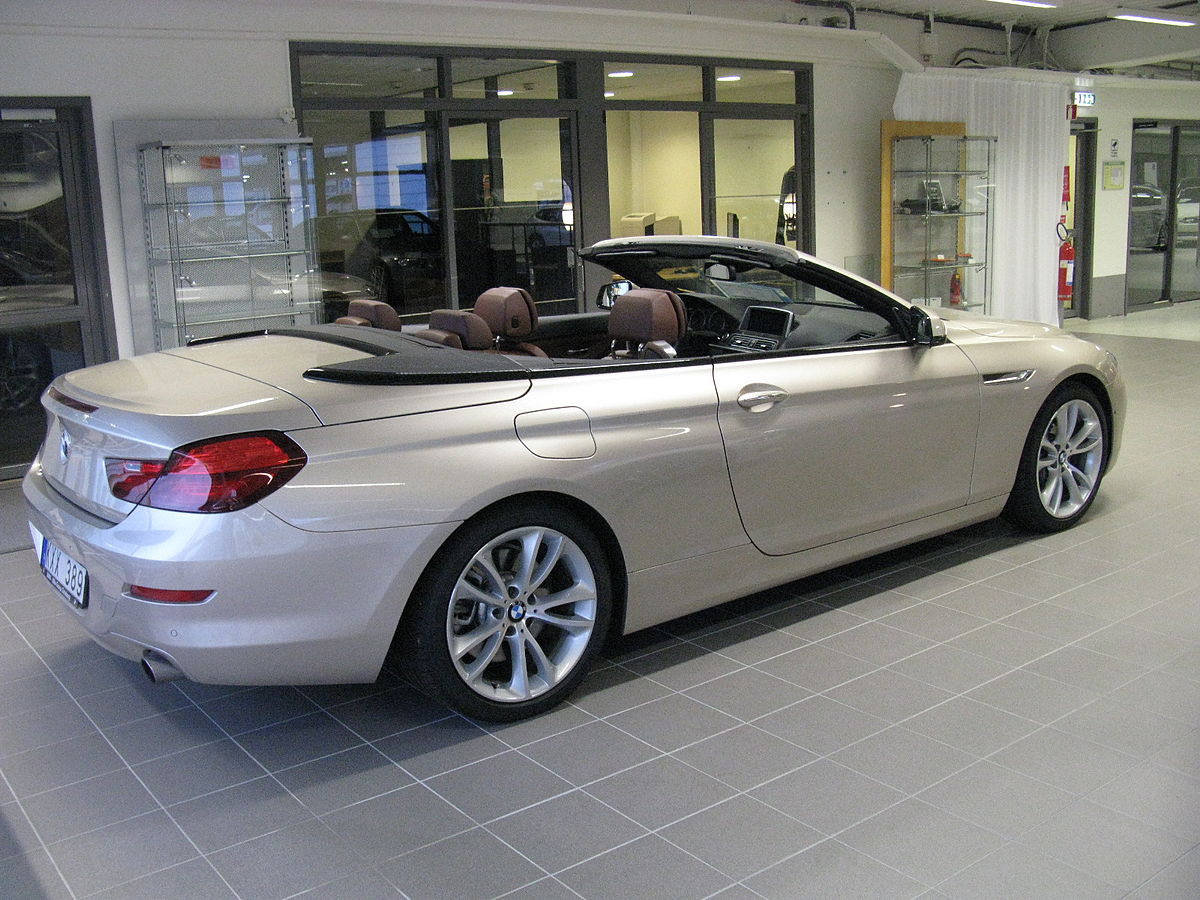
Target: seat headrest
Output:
[(645, 314), (472, 330), (509, 312), (378, 313)]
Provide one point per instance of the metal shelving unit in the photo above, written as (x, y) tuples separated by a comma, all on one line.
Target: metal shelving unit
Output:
[(229, 241)]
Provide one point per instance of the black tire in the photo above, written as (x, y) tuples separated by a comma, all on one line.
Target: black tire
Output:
[(1062, 462), (531, 618)]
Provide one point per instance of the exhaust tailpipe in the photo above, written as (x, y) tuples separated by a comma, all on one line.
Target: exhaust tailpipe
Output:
[(158, 668)]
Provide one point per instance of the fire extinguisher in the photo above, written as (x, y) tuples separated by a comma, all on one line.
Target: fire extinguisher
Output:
[(956, 297), (1066, 264)]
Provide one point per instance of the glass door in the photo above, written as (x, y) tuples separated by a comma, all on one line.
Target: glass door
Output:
[(755, 192), (1184, 272), (46, 319), (511, 183)]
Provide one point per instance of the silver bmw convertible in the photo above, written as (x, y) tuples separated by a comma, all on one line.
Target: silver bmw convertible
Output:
[(487, 498)]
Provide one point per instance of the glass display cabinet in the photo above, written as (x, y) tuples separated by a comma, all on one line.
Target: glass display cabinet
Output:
[(937, 227), (229, 240)]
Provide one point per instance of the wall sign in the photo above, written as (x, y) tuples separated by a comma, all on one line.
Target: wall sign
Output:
[(1114, 175), (1085, 98)]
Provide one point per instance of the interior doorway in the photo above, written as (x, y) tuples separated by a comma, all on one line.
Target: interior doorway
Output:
[(52, 282)]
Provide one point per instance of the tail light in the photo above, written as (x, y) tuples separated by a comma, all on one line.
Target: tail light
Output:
[(209, 476)]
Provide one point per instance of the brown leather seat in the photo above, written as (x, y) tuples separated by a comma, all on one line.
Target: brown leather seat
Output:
[(512, 315), (648, 323), (375, 313), (457, 328)]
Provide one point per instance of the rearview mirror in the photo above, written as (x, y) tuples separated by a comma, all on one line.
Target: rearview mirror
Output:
[(929, 329), (608, 293)]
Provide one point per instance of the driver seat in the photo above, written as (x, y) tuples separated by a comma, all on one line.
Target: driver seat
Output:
[(646, 324)]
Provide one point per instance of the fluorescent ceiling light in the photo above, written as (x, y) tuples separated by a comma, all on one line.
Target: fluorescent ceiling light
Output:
[(1037, 4), (729, 78), (620, 74), (504, 92), (1151, 16), (610, 93)]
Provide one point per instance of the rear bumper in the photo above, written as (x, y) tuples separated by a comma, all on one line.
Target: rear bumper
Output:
[(288, 606)]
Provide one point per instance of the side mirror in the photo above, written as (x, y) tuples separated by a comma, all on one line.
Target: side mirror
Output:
[(929, 329), (608, 293)]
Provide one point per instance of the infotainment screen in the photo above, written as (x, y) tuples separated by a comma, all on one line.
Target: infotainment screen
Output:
[(767, 320)]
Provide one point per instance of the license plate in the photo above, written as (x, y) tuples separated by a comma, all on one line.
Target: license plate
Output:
[(67, 576)]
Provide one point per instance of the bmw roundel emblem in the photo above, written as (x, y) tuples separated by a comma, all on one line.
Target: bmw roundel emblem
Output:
[(64, 446)]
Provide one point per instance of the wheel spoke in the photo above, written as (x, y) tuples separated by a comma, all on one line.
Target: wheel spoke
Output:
[(484, 659), (1052, 492), (541, 662), (1089, 440), (1078, 484), (531, 543), (518, 683), (463, 644), (554, 552)]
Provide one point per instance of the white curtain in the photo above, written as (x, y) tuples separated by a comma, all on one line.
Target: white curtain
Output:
[(1029, 120)]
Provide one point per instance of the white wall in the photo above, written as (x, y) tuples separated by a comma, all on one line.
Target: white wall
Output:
[(194, 59)]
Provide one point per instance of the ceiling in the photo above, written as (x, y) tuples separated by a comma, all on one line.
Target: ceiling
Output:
[(1068, 12)]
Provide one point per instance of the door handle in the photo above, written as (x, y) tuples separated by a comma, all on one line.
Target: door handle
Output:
[(759, 398)]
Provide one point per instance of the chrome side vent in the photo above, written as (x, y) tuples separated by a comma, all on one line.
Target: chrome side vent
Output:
[(1009, 377)]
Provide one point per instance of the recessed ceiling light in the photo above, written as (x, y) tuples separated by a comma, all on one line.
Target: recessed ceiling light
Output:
[(1037, 4), (729, 78), (1151, 16), (620, 74), (505, 93), (610, 93)]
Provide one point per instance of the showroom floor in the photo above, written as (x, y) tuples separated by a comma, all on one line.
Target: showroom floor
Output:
[(984, 715)]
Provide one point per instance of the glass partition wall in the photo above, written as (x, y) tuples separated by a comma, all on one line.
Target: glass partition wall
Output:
[(443, 172), (1164, 208)]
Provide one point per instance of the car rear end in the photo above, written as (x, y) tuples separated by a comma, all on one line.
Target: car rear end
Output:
[(146, 508)]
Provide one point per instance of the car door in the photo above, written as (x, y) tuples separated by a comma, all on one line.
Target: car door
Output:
[(829, 443)]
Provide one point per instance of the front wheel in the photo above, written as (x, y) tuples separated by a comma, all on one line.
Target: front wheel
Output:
[(511, 613), (1062, 462)]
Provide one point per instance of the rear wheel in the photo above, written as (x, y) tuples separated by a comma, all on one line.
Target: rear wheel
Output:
[(1062, 462), (516, 606)]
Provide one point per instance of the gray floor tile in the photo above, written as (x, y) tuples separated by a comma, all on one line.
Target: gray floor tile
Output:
[(446, 869), (262, 806), (1182, 754), (297, 741), (831, 869), (997, 798), (877, 643), (888, 695), (341, 779), (41, 727), (565, 830), (660, 791), (827, 796), (590, 752), (744, 757), (191, 880), (984, 601), (647, 867), (740, 836), (32, 875), (815, 667), (364, 884), (1032, 696), (749, 642), (1136, 645), (200, 770), (1179, 879), (924, 843), (384, 827), (100, 859), (497, 786), (1016, 871), (166, 733), (971, 726), (934, 621), (1056, 622), (1064, 760), (1086, 669), (951, 670), (614, 689), (920, 582), (747, 694), (285, 862), (1163, 693), (19, 663), (1155, 794), (1108, 845), (387, 712), (17, 837), (1005, 644), (821, 725), (440, 746), (87, 805), (557, 721), (813, 621), (1129, 729), (682, 666), (903, 759), (55, 765), (257, 708), (672, 722), (128, 703), (30, 693)]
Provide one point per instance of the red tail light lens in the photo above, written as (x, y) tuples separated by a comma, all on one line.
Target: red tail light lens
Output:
[(210, 476), (167, 595)]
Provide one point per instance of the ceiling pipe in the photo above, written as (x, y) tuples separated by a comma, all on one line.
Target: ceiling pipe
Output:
[(844, 5)]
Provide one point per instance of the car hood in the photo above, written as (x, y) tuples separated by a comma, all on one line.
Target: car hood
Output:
[(960, 321)]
